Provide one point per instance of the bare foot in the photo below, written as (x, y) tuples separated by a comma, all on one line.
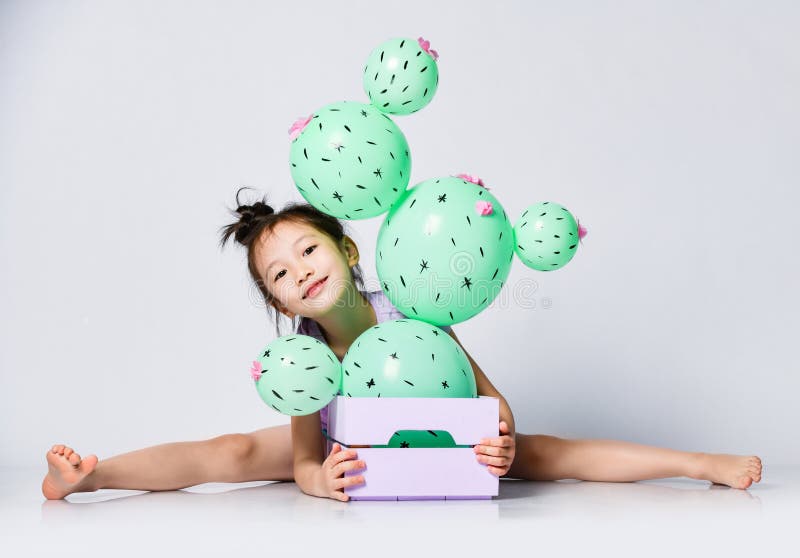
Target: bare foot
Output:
[(67, 470), (736, 471)]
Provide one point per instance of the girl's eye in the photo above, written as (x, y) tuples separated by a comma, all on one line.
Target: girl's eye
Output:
[(310, 248), (280, 274)]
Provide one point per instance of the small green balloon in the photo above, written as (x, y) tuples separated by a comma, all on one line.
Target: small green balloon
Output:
[(546, 236), (297, 375), (350, 161), (400, 76), (406, 358), (439, 259), (421, 439)]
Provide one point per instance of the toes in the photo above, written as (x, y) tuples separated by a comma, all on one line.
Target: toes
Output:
[(74, 459), (58, 448), (745, 482), (67, 452)]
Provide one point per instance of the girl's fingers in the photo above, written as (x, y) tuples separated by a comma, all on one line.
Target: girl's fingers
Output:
[(490, 450), (348, 481), (495, 461), (497, 471), (339, 469)]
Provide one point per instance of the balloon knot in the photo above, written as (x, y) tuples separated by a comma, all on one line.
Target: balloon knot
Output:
[(426, 46), (298, 126)]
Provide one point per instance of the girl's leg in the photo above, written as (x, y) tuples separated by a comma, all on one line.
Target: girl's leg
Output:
[(541, 457), (261, 455)]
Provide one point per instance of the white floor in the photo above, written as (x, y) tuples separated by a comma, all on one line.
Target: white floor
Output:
[(663, 518)]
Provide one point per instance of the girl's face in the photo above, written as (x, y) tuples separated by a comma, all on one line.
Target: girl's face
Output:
[(294, 257)]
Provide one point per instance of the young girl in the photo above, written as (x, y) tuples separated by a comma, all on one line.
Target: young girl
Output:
[(307, 268)]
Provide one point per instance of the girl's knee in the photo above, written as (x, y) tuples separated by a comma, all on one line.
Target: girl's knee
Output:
[(235, 450)]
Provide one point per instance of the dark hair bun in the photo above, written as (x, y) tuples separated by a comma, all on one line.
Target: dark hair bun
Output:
[(249, 212)]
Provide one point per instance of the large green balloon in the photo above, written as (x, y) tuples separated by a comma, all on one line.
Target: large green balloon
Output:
[(350, 161), (438, 259), (546, 236), (297, 375), (421, 439), (406, 358), (400, 77)]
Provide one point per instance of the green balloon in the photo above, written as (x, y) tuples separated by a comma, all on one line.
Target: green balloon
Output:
[(400, 77), (350, 161), (421, 439), (299, 375), (406, 358), (546, 236), (438, 259)]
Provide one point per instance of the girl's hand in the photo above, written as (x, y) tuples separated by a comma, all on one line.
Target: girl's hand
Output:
[(333, 468), (497, 453)]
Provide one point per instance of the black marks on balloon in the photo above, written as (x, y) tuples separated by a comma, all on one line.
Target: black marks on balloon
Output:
[(376, 76), (425, 94), (556, 236), (423, 266), (382, 56), (524, 214), (404, 89), (371, 142), (391, 82), (495, 274), (433, 357), (326, 160), (406, 102), (395, 240), (412, 203), (556, 252), (404, 444), (311, 367), (370, 383), (467, 283), (314, 398), (298, 390), (453, 241), (363, 113), (409, 383), (539, 241), (266, 353), (501, 236), (442, 198), (346, 127), (278, 395), (330, 380), (523, 225), (338, 196), (468, 221), (437, 296), (391, 155), (376, 201), (314, 182), (305, 152), (378, 173), (451, 315), (360, 187), (357, 365), (543, 214), (435, 332), (386, 104), (444, 385), (423, 69), (405, 65), (403, 281), (394, 356), (559, 218), (359, 160), (484, 301), (414, 310), (573, 246), (402, 43), (420, 338), (381, 338)]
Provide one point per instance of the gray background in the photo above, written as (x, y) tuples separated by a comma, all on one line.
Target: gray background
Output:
[(669, 128)]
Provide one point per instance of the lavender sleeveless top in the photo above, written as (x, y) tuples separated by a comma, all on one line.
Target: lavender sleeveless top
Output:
[(384, 311)]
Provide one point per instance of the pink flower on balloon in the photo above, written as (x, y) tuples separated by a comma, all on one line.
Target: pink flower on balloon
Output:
[(582, 232), (483, 208), (473, 179), (298, 126), (255, 370), (426, 46)]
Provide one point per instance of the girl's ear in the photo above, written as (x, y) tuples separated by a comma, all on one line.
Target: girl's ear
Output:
[(350, 250)]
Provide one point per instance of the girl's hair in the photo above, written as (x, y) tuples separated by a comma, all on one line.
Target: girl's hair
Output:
[(258, 217)]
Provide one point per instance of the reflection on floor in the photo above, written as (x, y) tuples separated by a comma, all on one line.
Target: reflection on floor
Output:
[(569, 517)]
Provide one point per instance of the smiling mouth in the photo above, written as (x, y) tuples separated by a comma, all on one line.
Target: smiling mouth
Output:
[(314, 286)]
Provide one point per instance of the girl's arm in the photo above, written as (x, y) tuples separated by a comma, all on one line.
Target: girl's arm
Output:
[(485, 387), (496, 453), (315, 474)]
